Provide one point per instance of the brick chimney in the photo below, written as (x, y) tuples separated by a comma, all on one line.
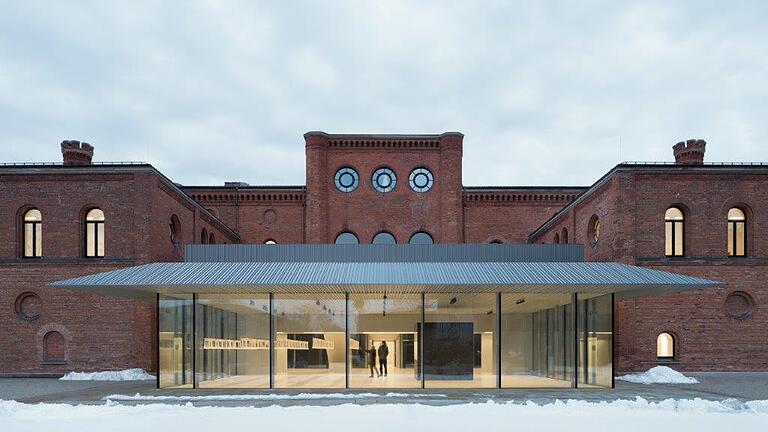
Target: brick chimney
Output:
[(76, 153), (690, 152)]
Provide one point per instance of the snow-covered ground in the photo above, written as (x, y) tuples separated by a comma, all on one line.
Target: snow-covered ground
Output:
[(659, 375), (263, 397), (122, 375), (573, 416)]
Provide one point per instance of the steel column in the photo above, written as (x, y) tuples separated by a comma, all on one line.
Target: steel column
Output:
[(271, 342), (346, 340)]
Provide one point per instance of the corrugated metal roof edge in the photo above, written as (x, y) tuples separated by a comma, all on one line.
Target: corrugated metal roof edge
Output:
[(122, 274)]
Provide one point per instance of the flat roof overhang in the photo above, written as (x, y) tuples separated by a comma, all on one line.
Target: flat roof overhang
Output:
[(239, 278)]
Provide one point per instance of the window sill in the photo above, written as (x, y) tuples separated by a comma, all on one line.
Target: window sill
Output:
[(54, 362), (667, 361)]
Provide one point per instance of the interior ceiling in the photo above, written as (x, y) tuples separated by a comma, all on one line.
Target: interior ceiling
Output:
[(395, 303)]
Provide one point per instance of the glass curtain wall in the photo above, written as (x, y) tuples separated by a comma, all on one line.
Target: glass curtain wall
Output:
[(460, 340), (537, 340), (595, 338), (383, 333), (471, 340), (309, 340), (175, 340), (232, 341)]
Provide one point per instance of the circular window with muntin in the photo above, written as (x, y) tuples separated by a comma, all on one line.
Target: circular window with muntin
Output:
[(421, 180), (346, 179), (384, 179)]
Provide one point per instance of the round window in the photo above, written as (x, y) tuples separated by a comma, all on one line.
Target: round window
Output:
[(384, 180), (421, 180), (346, 179), (739, 305), (28, 306)]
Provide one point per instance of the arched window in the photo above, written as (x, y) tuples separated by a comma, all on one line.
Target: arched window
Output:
[(737, 232), (33, 234), (204, 236), (94, 233), (665, 346), (211, 239), (674, 232), (421, 238), (270, 242), (593, 231), (496, 242), (564, 235), (54, 348), (174, 230), (384, 238), (556, 239), (346, 238)]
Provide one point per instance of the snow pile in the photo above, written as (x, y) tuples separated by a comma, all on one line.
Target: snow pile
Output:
[(260, 397), (123, 375), (575, 416), (659, 375)]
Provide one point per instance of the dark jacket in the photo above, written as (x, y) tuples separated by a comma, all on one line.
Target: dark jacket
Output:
[(383, 351), (371, 355)]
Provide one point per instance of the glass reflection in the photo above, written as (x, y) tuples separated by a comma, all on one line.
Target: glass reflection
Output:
[(459, 340), (384, 238), (175, 341), (346, 238), (421, 238), (537, 340), (309, 341), (595, 325), (232, 341), (383, 334)]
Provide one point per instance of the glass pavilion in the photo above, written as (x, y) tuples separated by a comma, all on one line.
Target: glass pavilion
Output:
[(442, 316)]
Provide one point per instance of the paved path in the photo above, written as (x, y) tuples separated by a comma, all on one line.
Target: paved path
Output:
[(712, 386)]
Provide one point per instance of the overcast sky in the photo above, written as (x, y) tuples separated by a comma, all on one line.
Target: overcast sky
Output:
[(546, 93)]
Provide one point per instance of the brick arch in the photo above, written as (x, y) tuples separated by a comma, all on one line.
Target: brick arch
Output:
[(44, 334), (20, 212), (750, 222), (683, 208), (492, 238), (83, 226), (177, 237), (346, 230), (423, 231), (590, 229)]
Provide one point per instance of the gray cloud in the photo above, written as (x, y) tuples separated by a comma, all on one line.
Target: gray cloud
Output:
[(544, 91)]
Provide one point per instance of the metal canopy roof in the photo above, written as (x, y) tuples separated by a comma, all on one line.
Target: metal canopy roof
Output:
[(373, 277)]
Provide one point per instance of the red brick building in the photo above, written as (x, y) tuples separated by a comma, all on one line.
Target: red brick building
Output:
[(402, 188)]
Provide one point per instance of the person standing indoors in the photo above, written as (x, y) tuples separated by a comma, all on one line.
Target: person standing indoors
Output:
[(383, 353), (371, 354)]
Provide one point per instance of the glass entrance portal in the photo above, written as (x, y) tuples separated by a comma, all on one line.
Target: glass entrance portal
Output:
[(385, 340)]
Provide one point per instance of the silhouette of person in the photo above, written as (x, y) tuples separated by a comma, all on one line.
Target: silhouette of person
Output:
[(371, 354), (383, 353)]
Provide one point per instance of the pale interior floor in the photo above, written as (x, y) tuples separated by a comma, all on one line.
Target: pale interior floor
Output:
[(360, 378)]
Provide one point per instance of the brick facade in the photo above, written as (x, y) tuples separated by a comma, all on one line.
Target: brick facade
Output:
[(630, 203), (52, 331), (72, 330)]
